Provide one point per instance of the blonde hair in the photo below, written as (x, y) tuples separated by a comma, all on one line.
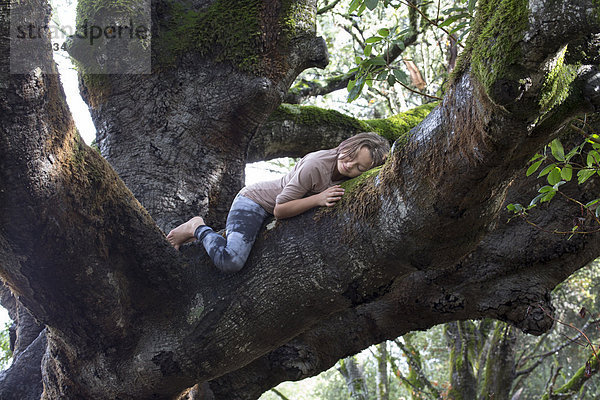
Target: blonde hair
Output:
[(378, 147)]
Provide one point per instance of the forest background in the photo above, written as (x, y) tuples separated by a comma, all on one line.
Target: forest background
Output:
[(456, 360)]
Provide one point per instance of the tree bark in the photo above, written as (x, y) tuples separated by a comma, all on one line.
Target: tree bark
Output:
[(355, 378), (381, 380), (500, 364), (422, 241)]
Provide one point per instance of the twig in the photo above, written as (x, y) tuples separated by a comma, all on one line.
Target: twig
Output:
[(570, 326), (419, 93), (327, 7), (278, 393)]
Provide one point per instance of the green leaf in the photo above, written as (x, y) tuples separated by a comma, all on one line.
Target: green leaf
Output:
[(534, 167), (554, 176), (536, 199), (463, 34), (385, 32), (536, 157), (547, 197), (358, 59), (373, 39), (367, 50), (592, 158), (391, 79), (574, 150), (515, 207), (567, 172), (351, 84), (558, 184), (356, 89), (459, 27), (382, 75), (401, 76), (375, 61), (371, 4), (547, 170), (354, 4), (452, 19), (597, 212), (546, 189), (361, 8), (557, 150), (591, 203), (400, 44), (584, 174)]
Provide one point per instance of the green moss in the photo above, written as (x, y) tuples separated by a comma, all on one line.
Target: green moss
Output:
[(297, 16), (393, 128), (493, 49), (227, 30), (397, 126), (558, 83), (243, 32), (354, 183), (578, 380), (315, 116)]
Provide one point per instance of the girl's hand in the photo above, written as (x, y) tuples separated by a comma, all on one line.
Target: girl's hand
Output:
[(330, 196)]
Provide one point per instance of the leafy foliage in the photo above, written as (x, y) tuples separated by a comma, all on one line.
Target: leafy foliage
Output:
[(558, 169), (5, 352), (390, 58), (377, 63)]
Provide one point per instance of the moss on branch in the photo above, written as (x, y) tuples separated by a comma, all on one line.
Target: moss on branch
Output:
[(578, 380), (493, 49), (398, 126), (557, 84), (392, 128), (226, 30), (250, 34)]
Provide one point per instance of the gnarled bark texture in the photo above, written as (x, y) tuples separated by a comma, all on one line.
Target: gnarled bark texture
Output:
[(422, 241)]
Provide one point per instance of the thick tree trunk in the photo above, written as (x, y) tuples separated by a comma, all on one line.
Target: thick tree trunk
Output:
[(500, 364), (463, 384), (421, 242), (355, 378), (381, 379)]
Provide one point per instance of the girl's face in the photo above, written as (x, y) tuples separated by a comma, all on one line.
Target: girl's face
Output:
[(353, 167)]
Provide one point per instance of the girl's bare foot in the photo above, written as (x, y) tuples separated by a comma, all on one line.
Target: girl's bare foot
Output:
[(184, 233)]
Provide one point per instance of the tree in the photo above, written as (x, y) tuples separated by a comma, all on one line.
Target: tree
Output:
[(421, 241)]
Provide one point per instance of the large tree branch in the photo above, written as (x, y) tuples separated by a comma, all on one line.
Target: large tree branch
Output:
[(293, 131), (412, 245), (513, 262)]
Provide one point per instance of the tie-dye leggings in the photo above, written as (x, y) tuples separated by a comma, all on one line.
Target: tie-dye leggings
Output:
[(243, 224)]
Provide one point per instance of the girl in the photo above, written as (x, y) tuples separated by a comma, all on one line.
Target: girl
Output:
[(314, 181)]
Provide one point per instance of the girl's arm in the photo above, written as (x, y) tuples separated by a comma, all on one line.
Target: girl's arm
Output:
[(291, 208)]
